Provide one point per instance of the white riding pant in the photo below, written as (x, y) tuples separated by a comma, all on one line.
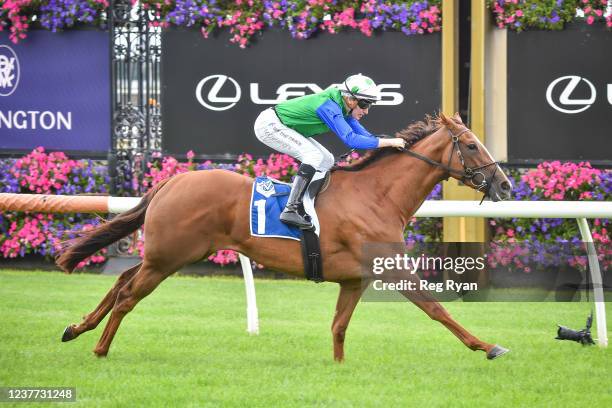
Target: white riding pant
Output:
[(271, 132)]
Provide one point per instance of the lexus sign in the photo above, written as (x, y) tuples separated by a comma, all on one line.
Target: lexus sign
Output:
[(565, 103), (211, 100), (212, 91), (209, 97), (560, 95)]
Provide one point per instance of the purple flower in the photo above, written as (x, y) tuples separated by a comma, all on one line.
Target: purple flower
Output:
[(59, 14)]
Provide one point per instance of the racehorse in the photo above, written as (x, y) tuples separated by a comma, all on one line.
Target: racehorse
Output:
[(191, 215)]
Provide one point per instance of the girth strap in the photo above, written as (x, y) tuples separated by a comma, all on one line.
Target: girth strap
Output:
[(311, 253)]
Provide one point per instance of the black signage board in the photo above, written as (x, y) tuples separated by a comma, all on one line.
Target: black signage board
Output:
[(212, 90), (560, 95)]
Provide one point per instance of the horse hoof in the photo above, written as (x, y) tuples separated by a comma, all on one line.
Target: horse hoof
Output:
[(68, 334), (496, 351), (100, 353)]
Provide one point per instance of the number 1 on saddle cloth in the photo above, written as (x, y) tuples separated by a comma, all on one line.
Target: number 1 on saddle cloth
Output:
[(268, 200)]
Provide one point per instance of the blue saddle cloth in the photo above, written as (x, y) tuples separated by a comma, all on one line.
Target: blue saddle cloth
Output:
[(268, 200)]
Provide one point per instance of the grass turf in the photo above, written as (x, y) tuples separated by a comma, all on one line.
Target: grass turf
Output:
[(186, 345)]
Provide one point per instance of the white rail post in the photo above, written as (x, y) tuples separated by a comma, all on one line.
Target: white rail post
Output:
[(249, 285), (600, 306)]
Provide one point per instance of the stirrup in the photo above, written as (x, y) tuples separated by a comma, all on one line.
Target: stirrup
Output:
[(292, 217)]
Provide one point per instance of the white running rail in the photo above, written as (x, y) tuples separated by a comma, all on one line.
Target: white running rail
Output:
[(580, 210)]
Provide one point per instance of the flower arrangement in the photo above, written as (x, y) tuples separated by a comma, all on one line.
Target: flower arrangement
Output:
[(18, 15), (302, 18), (423, 230), (166, 167), (54, 173), (244, 18), (418, 17), (47, 173), (519, 243), (278, 166), (547, 15)]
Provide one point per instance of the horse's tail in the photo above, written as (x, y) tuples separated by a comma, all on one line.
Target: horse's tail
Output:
[(89, 242)]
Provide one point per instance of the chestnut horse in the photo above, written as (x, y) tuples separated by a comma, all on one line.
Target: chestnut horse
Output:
[(192, 215)]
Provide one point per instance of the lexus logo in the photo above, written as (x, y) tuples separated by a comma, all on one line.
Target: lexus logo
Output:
[(565, 103), (212, 100), (208, 92), (9, 70)]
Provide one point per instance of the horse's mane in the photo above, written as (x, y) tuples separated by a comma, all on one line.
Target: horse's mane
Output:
[(412, 134)]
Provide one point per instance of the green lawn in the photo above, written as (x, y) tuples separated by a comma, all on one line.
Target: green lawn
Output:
[(186, 345)]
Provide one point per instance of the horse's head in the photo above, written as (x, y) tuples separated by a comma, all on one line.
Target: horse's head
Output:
[(446, 143), (471, 162)]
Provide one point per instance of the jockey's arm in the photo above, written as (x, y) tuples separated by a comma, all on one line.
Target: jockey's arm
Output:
[(386, 142), (330, 113), (352, 133), (358, 127)]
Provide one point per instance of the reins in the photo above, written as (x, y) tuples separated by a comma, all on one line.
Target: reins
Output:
[(468, 173)]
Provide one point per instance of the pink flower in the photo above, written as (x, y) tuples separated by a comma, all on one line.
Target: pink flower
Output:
[(224, 257)]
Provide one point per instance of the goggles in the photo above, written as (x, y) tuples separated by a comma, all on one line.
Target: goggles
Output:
[(364, 103)]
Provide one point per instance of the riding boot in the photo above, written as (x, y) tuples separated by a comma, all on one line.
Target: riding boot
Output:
[(290, 214)]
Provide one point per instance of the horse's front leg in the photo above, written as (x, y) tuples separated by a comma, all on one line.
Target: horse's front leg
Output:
[(350, 293), (426, 302)]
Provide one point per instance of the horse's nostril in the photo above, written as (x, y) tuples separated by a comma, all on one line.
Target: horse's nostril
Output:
[(506, 186)]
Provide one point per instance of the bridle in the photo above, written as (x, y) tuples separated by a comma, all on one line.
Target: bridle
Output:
[(469, 174)]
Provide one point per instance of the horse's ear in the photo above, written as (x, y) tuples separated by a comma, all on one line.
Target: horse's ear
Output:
[(457, 117), (444, 118)]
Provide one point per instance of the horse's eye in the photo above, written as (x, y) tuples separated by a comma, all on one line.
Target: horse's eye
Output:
[(472, 146)]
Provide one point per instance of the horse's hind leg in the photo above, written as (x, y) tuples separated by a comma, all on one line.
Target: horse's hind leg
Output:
[(141, 284), (94, 318)]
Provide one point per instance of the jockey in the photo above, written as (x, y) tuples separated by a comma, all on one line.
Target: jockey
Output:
[(289, 126)]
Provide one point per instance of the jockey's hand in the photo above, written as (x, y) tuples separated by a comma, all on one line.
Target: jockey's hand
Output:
[(396, 142)]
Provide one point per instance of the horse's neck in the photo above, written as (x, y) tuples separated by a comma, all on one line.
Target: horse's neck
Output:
[(400, 183)]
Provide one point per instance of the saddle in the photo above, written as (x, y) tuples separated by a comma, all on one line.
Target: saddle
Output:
[(268, 199)]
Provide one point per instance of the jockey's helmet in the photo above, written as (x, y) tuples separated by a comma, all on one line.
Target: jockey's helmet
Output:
[(361, 87)]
